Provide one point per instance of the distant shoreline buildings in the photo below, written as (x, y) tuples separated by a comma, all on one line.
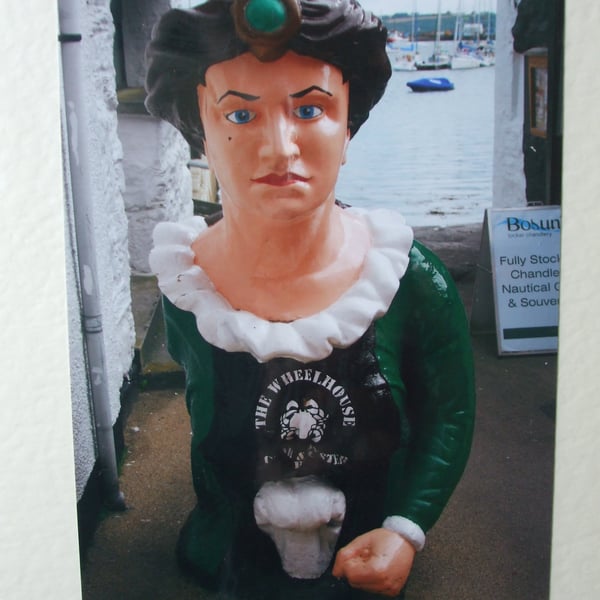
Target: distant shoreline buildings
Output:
[(475, 25)]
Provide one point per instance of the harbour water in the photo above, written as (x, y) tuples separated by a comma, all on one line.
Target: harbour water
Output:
[(427, 155)]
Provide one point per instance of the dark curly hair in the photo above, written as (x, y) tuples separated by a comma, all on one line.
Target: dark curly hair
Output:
[(185, 43)]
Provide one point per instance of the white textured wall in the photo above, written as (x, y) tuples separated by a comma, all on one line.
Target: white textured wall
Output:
[(140, 165), (83, 434), (111, 243), (158, 182), (38, 527), (108, 185), (509, 177)]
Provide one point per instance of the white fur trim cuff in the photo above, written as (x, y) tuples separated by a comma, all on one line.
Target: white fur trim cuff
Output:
[(407, 529)]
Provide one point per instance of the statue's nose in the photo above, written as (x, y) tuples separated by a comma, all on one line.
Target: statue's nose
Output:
[(279, 137)]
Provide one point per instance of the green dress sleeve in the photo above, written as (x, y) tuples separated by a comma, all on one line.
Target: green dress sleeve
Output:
[(435, 384)]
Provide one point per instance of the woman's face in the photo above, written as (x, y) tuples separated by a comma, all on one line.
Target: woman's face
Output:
[(276, 133)]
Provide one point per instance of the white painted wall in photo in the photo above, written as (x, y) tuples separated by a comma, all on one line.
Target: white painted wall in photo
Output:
[(110, 240), (508, 181)]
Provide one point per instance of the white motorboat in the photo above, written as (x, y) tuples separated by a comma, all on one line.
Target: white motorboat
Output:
[(404, 57), (402, 52)]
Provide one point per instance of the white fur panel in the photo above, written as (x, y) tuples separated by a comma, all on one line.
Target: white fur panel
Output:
[(303, 516)]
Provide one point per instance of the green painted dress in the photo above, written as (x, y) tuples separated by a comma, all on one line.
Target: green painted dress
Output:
[(373, 396)]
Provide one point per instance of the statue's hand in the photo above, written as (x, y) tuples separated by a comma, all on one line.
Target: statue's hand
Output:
[(378, 561)]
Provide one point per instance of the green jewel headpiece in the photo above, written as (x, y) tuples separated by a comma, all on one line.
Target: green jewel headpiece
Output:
[(266, 25)]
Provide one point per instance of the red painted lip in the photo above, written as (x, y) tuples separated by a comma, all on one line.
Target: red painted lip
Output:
[(281, 180)]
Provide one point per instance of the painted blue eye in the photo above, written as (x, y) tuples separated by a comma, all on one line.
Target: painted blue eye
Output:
[(308, 111), (239, 117)]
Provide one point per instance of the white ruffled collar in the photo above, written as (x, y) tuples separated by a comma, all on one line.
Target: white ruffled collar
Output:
[(307, 339)]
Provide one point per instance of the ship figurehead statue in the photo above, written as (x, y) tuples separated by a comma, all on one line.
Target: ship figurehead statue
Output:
[(328, 369)]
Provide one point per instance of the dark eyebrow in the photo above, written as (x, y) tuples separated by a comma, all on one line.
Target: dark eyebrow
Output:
[(248, 97), (308, 90)]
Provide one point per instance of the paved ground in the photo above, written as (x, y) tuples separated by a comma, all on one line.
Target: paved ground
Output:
[(492, 542)]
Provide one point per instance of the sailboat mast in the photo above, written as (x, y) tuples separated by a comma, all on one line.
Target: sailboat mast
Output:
[(415, 28), (438, 26), (458, 28)]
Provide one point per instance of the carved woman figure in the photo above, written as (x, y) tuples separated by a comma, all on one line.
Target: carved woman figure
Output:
[(328, 370)]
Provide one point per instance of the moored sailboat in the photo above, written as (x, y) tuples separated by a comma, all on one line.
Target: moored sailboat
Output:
[(476, 53), (438, 59), (404, 53), (464, 56)]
